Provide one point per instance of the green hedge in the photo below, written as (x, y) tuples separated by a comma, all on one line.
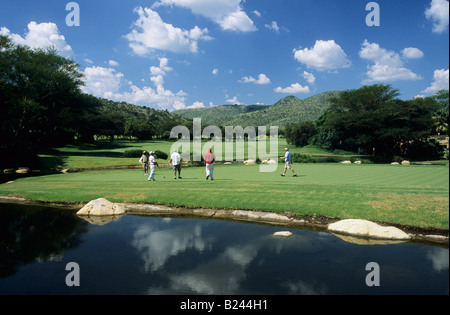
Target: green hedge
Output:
[(136, 153)]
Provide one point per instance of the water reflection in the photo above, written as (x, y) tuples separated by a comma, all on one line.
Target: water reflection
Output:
[(230, 258), (35, 234), (156, 246), (221, 268), (144, 255), (439, 259)]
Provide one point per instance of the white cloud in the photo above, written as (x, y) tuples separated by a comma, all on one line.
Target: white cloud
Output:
[(196, 105), (233, 100), (237, 21), (293, 89), (229, 14), (273, 26), (325, 55), (412, 53), (374, 52), (110, 84), (440, 82), (215, 71), (42, 35), (262, 79), (113, 63), (162, 69), (309, 77), (151, 33), (388, 65), (102, 82), (438, 13), (385, 73)]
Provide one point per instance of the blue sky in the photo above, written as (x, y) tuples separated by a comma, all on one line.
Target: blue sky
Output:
[(174, 54)]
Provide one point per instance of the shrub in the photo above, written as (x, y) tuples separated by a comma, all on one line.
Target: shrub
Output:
[(136, 153), (161, 155), (301, 158), (429, 149)]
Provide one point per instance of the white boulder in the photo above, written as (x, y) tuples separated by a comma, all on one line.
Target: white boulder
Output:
[(283, 234), (23, 170), (268, 162), (102, 207), (364, 228)]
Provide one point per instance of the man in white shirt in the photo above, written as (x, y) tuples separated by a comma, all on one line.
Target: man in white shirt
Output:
[(176, 160), (153, 164)]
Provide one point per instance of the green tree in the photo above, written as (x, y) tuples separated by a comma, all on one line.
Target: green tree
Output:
[(38, 93), (373, 120), (299, 134), (440, 118), (142, 130)]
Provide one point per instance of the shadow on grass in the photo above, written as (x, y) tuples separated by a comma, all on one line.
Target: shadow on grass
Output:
[(53, 162)]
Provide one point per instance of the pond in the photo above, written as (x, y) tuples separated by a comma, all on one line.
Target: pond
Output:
[(187, 256)]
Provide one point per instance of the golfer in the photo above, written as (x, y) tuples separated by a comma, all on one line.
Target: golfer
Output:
[(287, 162), (144, 161), (209, 160), (153, 164), (176, 160)]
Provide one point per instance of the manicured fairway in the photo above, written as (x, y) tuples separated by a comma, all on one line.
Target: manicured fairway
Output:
[(410, 195)]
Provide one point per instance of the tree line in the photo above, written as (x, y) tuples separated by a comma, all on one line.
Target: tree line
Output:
[(43, 107), (373, 121)]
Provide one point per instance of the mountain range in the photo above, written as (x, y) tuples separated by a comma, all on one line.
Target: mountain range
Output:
[(287, 110)]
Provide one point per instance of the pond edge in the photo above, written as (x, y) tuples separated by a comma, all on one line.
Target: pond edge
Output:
[(312, 222)]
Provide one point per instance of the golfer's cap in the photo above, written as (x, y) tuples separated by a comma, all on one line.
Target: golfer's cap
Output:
[(285, 149)]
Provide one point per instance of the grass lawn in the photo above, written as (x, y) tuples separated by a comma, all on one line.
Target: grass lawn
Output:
[(411, 195), (104, 154)]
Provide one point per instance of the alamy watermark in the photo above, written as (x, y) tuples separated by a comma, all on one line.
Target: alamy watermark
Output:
[(73, 277), (229, 146), (73, 18), (373, 277), (373, 18)]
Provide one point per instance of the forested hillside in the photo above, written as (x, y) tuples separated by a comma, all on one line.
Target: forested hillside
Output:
[(287, 110), (216, 115)]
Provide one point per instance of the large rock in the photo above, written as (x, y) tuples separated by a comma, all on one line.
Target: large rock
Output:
[(363, 228), (102, 207), (23, 170), (283, 233), (269, 162)]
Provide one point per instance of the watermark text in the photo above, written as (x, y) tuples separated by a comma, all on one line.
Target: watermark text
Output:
[(229, 145), (73, 18)]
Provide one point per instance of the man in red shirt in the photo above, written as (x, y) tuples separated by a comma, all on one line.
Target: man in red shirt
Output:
[(209, 160)]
